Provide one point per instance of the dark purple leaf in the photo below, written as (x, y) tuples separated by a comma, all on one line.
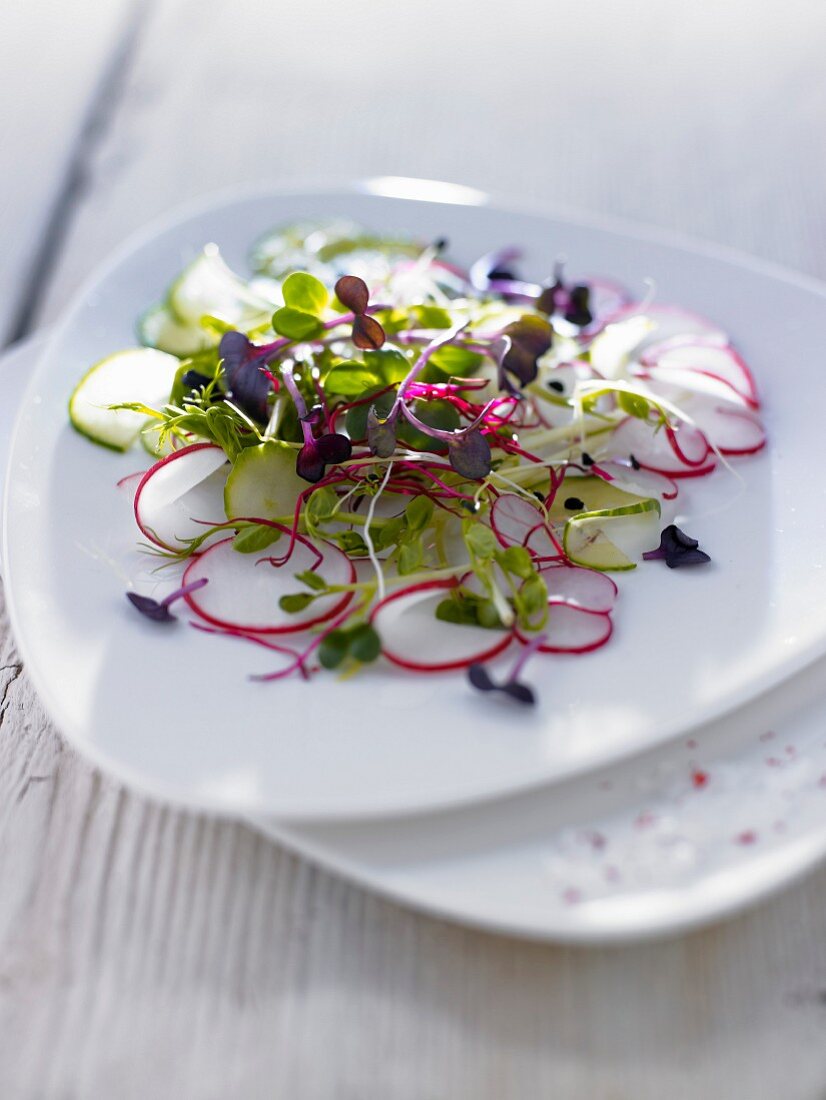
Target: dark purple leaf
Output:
[(578, 311), (469, 454), (152, 609), (530, 338), (677, 549), (481, 680), (247, 385), (367, 333), (381, 434), (316, 455), (352, 292)]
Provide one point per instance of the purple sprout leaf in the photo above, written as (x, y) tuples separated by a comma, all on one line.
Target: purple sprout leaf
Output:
[(367, 333), (353, 294), (469, 454), (381, 433), (481, 679), (247, 385), (317, 454), (151, 609), (677, 549), (578, 311), (158, 610), (530, 338)]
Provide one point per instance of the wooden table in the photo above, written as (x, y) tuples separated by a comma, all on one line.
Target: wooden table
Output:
[(150, 953)]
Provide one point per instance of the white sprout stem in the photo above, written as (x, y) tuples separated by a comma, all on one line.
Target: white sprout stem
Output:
[(368, 541)]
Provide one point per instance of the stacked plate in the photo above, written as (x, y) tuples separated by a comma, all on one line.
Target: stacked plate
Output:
[(671, 777)]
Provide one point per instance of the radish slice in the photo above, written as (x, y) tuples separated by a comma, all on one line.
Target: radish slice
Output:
[(513, 518), (668, 322), (572, 630), (680, 452), (645, 483), (582, 588), (180, 490), (412, 636), (711, 365), (244, 589), (733, 431)]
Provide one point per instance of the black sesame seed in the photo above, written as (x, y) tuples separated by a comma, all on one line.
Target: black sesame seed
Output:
[(634, 462), (574, 504), (556, 385), (586, 459)]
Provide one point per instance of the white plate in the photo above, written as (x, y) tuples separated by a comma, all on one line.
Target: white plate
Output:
[(682, 836), (171, 711), (662, 843)]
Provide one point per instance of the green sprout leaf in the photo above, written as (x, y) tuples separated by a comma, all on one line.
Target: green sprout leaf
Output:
[(296, 602), (296, 324), (252, 539), (305, 293), (351, 379)]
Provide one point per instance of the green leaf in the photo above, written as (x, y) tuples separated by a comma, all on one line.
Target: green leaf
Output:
[(333, 649), (251, 539), (296, 602), (418, 513), (431, 317), (351, 379), (633, 404), (320, 504), (312, 580), (453, 361), (487, 615), (351, 542), (364, 644), (410, 556), (516, 560), (479, 539), (458, 610), (390, 364), (296, 324), (389, 533), (305, 293)]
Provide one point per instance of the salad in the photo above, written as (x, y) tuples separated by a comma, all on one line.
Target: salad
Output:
[(365, 451)]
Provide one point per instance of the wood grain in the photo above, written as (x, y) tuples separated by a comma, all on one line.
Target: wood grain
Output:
[(147, 952)]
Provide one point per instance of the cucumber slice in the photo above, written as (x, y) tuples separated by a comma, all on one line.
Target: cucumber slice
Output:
[(610, 538), (208, 285), (142, 375), (159, 328), (596, 494), (263, 483)]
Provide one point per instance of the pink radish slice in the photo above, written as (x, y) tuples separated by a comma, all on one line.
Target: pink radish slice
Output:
[(128, 485), (177, 492), (683, 452), (706, 359), (583, 588), (572, 630), (733, 431), (513, 518), (412, 636), (642, 482), (670, 321), (244, 589)]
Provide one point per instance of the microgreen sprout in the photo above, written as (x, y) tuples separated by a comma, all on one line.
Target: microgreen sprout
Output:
[(397, 433)]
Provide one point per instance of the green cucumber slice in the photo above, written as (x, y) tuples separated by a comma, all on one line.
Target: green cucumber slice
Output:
[(159, 328), (263, 483), (209, 286), (140, 375), (596, 494), (609, 539)]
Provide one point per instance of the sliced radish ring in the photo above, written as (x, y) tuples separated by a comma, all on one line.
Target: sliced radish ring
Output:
[(513, 518), (572, 629), (413, 638), (183, 494), (676, 453), (734, 431), (707, 360), (669, 321), (244, 589), (645, 483), (586, 589)]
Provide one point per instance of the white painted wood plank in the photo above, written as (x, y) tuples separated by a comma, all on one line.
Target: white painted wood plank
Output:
[(145, 952), (52, 58)]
